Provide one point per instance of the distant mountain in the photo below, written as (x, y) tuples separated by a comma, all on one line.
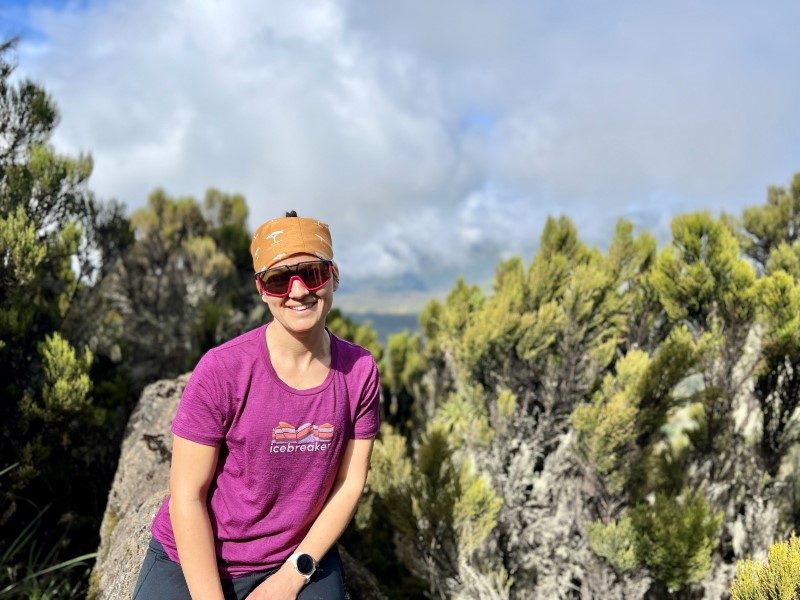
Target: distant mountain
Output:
[(387, 324), (408, 282)]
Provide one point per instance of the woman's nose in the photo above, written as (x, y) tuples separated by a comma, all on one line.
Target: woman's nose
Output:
[(297, 289)]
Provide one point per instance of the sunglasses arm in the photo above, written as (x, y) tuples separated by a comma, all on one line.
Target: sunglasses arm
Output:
[(259, 285)]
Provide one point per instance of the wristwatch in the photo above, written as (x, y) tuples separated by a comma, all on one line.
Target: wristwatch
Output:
[(303, 564)]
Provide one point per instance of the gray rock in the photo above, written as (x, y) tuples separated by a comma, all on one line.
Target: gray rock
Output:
[(140, 486)]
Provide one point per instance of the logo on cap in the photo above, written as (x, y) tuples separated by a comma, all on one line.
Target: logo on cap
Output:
[(274, 236)]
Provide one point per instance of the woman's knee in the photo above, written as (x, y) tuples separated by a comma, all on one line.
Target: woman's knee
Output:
[(159, 577)]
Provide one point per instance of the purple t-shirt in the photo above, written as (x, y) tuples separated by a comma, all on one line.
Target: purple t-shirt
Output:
[(280, 448)]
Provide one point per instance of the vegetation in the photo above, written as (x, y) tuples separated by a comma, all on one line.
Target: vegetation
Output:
[(93, 306), (642, 399), (776, 578), (606, 424)]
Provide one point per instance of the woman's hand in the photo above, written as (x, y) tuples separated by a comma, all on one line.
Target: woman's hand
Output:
[(284, 584)]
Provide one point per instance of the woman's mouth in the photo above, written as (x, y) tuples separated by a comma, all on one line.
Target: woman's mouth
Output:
[(302, 307)]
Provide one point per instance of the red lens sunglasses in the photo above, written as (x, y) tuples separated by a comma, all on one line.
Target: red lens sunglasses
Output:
[(277, 282)]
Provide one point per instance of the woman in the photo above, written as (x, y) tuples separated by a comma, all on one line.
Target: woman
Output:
[(272, 440)]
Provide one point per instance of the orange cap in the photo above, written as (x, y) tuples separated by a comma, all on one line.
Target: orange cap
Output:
[(280, 238)]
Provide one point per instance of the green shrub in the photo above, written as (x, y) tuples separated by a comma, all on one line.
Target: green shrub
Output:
[(777, 578), (614, 541), (675, 538)]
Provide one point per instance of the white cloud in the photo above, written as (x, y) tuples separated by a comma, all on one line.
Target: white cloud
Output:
[(465, 238), (434, 138)]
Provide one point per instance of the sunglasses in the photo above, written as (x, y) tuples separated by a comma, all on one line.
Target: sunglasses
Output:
[(277, 282)]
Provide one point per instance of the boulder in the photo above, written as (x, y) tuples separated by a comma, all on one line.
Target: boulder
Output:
[(141, 484)]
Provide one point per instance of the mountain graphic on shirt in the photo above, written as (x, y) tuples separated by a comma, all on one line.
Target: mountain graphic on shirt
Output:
[(286, 433)]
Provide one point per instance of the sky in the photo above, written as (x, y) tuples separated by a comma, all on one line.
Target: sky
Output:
[(434, 137)]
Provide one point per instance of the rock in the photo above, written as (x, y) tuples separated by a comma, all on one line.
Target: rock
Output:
[(141, 484)]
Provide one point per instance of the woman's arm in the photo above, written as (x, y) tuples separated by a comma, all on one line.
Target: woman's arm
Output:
[(192, 468), (342, 501), (330, 523)]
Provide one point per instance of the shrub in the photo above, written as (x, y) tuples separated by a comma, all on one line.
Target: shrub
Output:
[(777, 578)]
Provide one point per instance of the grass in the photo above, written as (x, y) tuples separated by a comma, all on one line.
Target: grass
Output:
[(30, 565)]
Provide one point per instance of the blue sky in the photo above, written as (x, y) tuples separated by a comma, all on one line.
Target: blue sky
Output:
[(18, 17), (435, 138)]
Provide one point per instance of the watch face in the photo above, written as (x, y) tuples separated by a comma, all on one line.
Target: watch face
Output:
[(305, 564)]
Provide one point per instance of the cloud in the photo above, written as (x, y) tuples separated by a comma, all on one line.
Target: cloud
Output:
[(434, 138)]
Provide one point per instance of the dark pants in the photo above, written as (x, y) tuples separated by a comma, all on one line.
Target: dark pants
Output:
[(162, 579)]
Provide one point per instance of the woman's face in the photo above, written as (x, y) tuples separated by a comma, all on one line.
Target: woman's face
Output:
[(301, 311)]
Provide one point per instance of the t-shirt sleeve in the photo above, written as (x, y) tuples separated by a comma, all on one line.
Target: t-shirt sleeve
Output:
[(367, 421), (203, 412)]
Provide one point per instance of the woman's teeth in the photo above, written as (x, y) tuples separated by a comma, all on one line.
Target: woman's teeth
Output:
[(302, 307)]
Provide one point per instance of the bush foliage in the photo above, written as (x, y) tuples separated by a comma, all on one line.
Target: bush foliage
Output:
[(776, 578)]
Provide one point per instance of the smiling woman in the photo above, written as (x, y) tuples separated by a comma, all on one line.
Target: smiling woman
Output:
[(273, 437)]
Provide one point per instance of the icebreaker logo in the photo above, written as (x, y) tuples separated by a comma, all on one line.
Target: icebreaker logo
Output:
[(286, 438)]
